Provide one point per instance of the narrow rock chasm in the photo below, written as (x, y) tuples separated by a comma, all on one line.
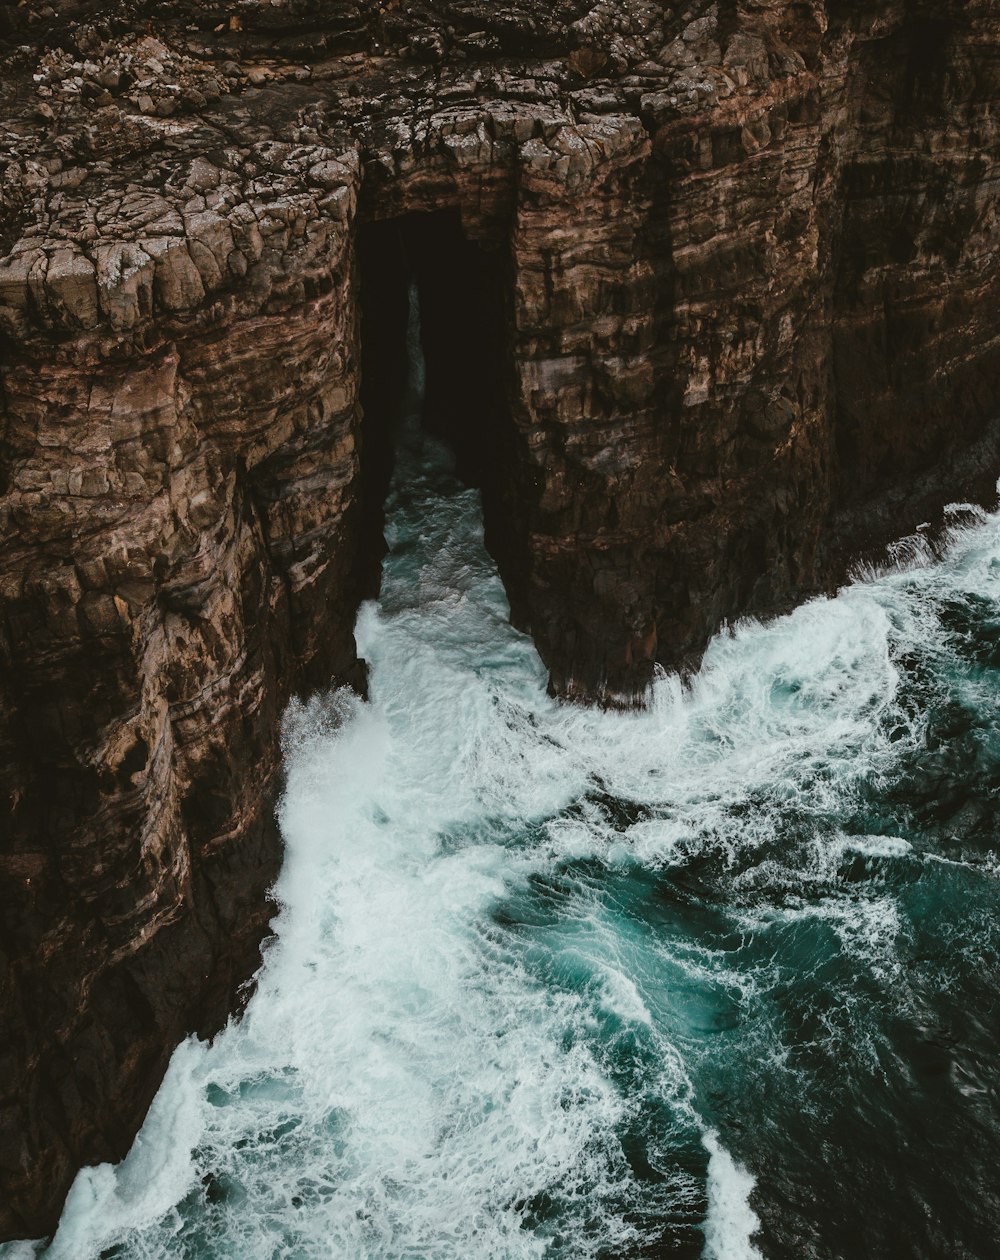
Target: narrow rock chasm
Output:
[(463, 289)]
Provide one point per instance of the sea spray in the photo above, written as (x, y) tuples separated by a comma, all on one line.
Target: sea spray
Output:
[(730, 1222)]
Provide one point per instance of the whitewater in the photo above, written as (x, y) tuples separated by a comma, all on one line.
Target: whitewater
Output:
[(716, 979)]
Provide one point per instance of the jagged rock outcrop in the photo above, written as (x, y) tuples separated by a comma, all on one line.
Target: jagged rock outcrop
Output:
[(740, 322)]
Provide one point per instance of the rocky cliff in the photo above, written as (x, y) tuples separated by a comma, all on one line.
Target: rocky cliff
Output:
[(711, 307)]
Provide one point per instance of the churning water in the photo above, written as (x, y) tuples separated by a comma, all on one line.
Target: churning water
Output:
[(714, 980)]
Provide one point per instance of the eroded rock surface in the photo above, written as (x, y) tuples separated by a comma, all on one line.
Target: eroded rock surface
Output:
[(747, 260)]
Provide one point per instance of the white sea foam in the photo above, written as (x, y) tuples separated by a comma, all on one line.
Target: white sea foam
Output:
[(106, 1203), (731, 1222)]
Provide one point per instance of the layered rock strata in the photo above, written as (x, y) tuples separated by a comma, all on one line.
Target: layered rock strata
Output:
[(723, 279)]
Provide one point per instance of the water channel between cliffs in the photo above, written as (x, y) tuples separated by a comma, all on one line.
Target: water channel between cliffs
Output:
[(714, 979)]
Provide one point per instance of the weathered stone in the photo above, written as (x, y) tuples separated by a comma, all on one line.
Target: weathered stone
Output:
[(71, 288), (177, 283), (124, 283)]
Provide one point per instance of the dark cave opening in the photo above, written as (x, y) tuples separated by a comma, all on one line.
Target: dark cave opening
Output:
[(463, 289)]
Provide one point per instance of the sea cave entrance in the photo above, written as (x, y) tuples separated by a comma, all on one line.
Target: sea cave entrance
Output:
[(464, 295)]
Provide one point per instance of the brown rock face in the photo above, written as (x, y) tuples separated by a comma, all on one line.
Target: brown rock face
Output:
[(711, 306), (179, 516)]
